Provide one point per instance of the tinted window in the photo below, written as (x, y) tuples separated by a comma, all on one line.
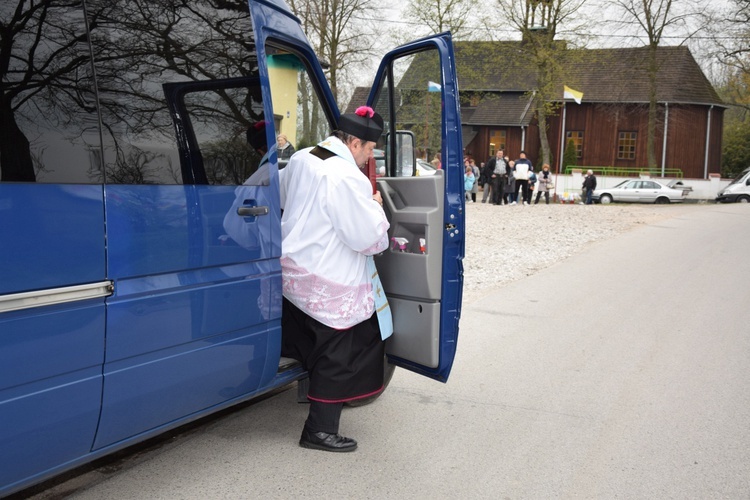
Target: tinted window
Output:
[(141, 45), (48, 122)]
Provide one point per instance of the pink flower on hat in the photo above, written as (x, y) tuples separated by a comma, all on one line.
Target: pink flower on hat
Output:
[(365, 111)]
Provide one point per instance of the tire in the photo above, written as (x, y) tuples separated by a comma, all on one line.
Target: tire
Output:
[(388, 370), (662, 200), (605, 199), (743, 199)]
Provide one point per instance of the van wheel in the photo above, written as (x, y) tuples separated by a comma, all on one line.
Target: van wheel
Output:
[(743, 199), (388, 370)]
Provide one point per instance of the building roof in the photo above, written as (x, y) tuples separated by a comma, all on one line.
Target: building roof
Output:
[(501, 72), (359, 98), (603, 75), (506, 108), (620, 75)]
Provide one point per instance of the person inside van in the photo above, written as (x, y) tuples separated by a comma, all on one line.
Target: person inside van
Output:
[(332, 226)]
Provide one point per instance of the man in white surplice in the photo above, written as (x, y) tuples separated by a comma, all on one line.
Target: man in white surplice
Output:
[(332, 225)]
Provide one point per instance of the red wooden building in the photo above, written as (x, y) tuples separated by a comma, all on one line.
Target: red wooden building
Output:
[(609, 127)]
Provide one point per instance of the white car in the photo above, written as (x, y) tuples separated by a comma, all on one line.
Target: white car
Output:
[(642, 191), (423, 167)]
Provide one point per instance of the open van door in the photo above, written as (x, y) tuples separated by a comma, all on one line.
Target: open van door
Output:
[(416, 92)]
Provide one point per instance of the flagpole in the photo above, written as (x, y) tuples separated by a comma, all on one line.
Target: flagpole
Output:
[(562, 139)]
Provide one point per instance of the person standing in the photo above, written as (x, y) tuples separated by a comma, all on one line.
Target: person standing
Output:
[(532, 186), (522, 168), (487, 180), (496, 167), (510, 186), (437, 161), (284, 149), (544, 184), (332, 224), (468, 180), (475, 187), (589, 184)]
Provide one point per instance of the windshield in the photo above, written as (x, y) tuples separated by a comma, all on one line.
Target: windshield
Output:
[(740, 176)]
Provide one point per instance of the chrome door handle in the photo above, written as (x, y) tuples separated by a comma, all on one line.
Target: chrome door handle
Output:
[(252, 211)]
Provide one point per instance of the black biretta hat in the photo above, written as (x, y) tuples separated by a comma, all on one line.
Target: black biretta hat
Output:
[(364, 124)]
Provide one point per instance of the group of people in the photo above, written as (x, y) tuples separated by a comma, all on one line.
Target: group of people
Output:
[(502, 179)]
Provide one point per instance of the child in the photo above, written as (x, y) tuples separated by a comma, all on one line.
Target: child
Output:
[(468, 182)]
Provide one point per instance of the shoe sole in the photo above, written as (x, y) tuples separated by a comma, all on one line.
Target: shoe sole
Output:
[(313, 446)]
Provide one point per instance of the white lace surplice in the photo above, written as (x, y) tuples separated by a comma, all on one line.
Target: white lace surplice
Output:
[(329, 227)]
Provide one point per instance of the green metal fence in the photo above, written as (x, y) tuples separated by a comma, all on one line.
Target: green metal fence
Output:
[(626, 171)]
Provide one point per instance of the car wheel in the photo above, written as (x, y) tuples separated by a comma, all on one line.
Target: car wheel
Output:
[(662, 200), (388, 370), (743, 199), (605, 199)]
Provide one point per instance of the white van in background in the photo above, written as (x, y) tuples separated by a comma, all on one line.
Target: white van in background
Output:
[(737, 191)]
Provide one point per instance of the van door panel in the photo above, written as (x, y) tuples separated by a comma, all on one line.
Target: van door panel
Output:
[(414, 207), (190, 320), (424, 290), (51, 238)]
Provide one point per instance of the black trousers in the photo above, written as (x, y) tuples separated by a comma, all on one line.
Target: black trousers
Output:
[(523, 186), (497, 190), (324, 417), (546, 196)]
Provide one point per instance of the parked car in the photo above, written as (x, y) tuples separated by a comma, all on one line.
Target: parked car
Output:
[(737, 191), (423, 167), (642, 191)]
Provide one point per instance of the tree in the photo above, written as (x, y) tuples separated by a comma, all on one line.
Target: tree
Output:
[(570, 156), (657, 19), (43, 58), (437, 16), (46, 73), (342, 39), (540, 22), (736, 154)]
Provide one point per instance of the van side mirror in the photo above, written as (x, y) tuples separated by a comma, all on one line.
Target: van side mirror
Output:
[(406, 155)]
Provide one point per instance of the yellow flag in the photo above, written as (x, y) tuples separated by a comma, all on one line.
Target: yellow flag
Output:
[(572, 94)]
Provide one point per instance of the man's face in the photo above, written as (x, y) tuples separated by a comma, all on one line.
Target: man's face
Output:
[(361, 151), (499, 154)]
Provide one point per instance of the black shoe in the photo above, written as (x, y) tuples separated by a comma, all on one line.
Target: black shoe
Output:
[(326, 442)]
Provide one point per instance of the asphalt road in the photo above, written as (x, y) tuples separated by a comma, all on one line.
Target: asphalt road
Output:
[(622, 372)]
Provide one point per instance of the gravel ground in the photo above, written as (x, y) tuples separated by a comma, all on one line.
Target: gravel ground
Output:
[(507, 243)]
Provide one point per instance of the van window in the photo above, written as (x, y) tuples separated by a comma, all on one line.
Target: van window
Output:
[(229, 128), (298, 112), (416, 85), (49, 131), (141, 45)]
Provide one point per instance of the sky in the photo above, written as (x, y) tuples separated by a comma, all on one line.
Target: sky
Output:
[(389, 17)]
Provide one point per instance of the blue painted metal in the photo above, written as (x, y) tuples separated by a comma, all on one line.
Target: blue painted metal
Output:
[(454, 241), (50, 357)]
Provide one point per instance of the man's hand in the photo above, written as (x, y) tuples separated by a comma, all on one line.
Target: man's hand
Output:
[(377, 197)]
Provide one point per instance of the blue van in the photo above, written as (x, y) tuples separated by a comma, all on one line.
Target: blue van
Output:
[(140, 283)]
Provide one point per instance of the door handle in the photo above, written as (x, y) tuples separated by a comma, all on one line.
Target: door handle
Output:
[(252, 211)]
